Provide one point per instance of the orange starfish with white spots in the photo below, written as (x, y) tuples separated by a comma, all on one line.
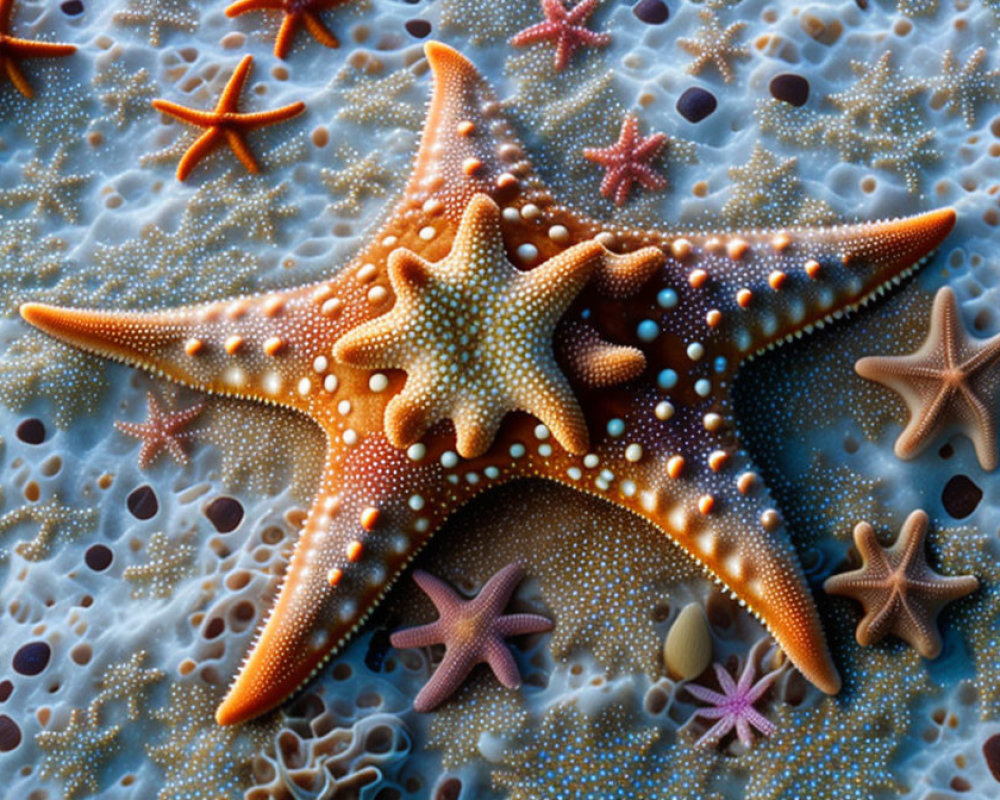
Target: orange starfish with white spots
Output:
[(297, 12), (674, 315), (225, 122), (13, 49)]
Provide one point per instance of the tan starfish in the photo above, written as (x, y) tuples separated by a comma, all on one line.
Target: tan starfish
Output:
[(714, 44), (900, 593), (952, 381), (13, 49), (225, 122)]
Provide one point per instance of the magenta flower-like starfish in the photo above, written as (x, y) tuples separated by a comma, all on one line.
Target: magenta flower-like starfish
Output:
[(565, 27), (735, 708), (161, 431), (472, 631), (627, 161)]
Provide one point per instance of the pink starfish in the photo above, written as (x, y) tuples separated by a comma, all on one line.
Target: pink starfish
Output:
[(161, 431), (472, 631), (735, 708), (565, 27), (627, 161)]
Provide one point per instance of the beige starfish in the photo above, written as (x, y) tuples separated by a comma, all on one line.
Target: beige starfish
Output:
[(950, 382)]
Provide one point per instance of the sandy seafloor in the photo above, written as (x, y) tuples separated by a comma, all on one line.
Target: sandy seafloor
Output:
[(132, 656)]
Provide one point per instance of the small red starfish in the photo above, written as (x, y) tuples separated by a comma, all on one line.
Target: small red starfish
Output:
[(296, 12), (225, 122), (472, 631), (565, 27), (161, 431), (13, 49), (627, 161)]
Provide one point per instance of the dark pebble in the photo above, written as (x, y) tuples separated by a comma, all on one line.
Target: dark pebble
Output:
[(655, 12), (142, 502), (6, 687), (72, 8), (225, 513), (696, 104), (10, 734), (214, 627), (991, 752), (99, 557), (791, 88), (946, 451), (961, 496), (31, 431), (378, 649), (420, 28), (449, 789), (32, 658)]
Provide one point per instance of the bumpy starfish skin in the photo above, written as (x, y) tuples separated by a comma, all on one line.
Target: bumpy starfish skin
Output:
[(565, 27), (627, 161), (663, 445), (472, 631), (951, 382), (163, 430), (297, 12), (13, 49), (900, 593), (225, 122)]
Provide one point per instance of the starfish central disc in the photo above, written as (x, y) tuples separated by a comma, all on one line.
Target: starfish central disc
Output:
[(474, 336)]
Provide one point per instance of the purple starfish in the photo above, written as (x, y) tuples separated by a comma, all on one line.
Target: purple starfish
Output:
[(472, 631), (735, 708)]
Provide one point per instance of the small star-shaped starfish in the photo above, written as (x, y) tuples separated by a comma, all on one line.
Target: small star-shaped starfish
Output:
[(951, 381), (714, 45), (474, 335), (627, 161), (961, 87), (735, 707), (226, 122), (472, 631), (161, 431), (565, 27), (901, 595), (297, 12), (12, 49)]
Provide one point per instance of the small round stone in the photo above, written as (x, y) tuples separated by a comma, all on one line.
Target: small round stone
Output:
[(418, 28), (687, 650), (652, 12), (696, 104), (10, 734), (31, 431), (6, 689), (791, 88), (142, 502), (99, 557), (72, 8), (225, 513), (32, 658), (991, 752)]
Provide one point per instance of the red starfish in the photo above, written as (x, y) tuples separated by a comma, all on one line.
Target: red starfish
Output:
[(12, 49), (627, 161), (565, 27), (161, 431), (472, 632), (225, 122), (296, 12)]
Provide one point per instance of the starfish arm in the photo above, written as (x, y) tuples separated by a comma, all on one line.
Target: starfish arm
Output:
[(501, 661), (421, 636), (596, 362), (716, 732), (445, 599), (725, 680), (743, 732), (759, 688), (497, 591), (30, 48), (520, 624), (539, 32), (285, 38), (319, 31), (177, 451), (258, 119), (242, 347), (760, 722), (243, 6), (449, 675), (706, 696), (982, 430), (230, 96), (190, 115), (16, 76), (239, 147)]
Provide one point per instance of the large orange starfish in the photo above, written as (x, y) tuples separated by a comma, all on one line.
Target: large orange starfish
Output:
[(685, 310), (225, 122), (297, 12), (12, 49)]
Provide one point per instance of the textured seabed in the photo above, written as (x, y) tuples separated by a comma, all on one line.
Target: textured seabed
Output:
[(129, 596)]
